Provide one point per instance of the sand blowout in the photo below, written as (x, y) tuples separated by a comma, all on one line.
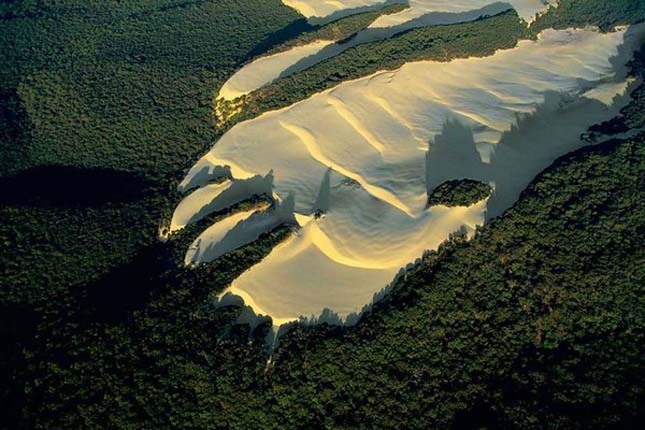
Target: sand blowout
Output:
[(367, 153)]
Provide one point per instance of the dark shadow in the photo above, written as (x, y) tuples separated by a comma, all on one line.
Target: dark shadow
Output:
[(478, 416), (12, 115), (294, 29), (171, 6), (66, 186), (17, 328), (127, 288), (16, 9), (15, 131)]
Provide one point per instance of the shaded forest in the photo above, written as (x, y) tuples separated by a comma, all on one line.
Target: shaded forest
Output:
[(536, 323)]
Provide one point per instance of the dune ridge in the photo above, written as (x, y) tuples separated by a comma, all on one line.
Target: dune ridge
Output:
[(361, 208)]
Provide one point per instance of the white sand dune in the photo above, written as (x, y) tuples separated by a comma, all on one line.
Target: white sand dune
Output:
[(214, 234), (238, 230), (606, 93), (341, 261), (192, 205), (265, 70), (217, 197), (368, 151)]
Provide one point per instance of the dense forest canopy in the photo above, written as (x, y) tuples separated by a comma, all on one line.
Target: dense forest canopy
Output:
[(464, 192), (536, 323)]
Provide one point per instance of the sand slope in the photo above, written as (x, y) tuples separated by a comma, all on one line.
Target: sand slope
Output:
[(265, 70), (368, 151), (326, 8)]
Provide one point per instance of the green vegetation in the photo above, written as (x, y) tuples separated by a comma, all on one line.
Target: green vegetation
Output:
[(126, 85), (536, 323), (537, 320), (101, 92), (606, 14), (464, 192)]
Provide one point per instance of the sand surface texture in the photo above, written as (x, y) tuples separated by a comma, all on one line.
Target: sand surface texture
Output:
[(366, 154)]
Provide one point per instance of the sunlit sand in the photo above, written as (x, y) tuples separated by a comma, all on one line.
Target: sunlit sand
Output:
[(265, 70), (366, 154), (325, 8)]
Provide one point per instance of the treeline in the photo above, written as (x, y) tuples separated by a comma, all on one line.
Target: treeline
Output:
[(110, 93), (535, 324), (535, 321), (122, 86), (632, 116), (605, 14), (126, 84)]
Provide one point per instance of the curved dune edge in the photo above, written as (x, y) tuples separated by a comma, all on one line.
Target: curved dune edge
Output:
[(265, 70), (606, 93), (328, 277), (189, 206), (324, 11), (214, 234), (526, 9), (377, 141)]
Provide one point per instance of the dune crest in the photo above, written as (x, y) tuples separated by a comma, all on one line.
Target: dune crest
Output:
[(356, 163)]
